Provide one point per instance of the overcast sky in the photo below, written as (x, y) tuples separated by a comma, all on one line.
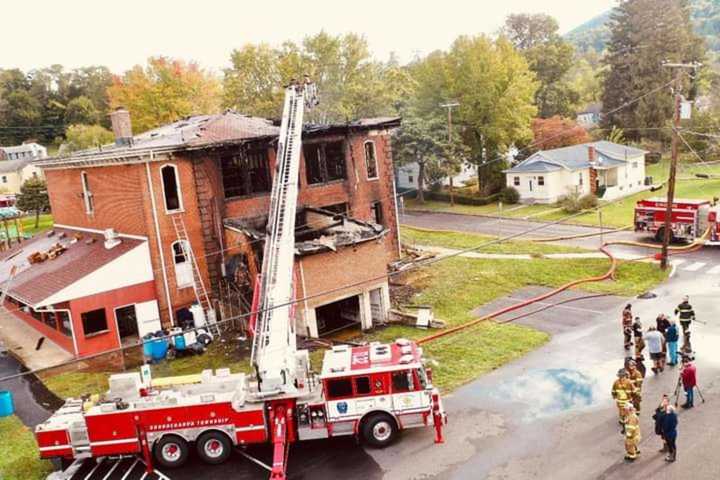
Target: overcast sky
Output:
[(123, 33)]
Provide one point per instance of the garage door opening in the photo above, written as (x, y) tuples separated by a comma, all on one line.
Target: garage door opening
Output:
[(338, 315)]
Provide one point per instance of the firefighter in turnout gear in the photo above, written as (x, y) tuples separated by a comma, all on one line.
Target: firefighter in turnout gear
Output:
[(627, 322), (686, 315), (622, 392), (632, 433), (636, 378)]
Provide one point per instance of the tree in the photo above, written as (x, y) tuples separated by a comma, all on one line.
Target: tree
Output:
[(81, 137), (20, 113), (81, 110), (643, 34), (495, 90), (549, 56), (33, 197), (164, 91), (556, 132)]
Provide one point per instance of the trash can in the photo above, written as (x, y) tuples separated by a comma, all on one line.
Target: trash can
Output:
[(147, 344), (179, 340), (159, 348), (6, 404)]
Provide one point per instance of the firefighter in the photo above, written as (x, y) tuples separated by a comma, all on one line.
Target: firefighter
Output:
[(627, 321), (632, 433), (636, 378), (638, 333), (622, 391), (686, 314)]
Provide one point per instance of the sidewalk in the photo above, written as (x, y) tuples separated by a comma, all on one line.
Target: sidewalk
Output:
[(20, 340), (444, 252)]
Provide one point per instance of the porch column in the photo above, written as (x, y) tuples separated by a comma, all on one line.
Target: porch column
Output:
[(365, 311)]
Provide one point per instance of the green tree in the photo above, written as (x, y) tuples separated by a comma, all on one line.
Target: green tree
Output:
[(21, 113), (164, 91), (644, 34), (550, 57), (81, 137), (81, 110), (33, 197)]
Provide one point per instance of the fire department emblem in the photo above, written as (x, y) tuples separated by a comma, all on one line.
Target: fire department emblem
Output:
[(342, 408)]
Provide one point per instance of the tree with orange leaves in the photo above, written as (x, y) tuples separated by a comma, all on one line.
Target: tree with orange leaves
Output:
[(164, 91), (556, 132)]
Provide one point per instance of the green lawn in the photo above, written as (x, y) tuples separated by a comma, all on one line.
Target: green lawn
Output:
[(19, 459), (28, 224)]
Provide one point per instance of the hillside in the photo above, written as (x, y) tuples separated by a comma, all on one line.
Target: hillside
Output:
[(593, 34)]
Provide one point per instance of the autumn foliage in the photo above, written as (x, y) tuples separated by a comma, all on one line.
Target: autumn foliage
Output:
[(556, 132)]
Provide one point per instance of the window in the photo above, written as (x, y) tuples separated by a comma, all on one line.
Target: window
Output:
[(362, 385), (4, 179), (246, 173), (339, 388), (635, 164), (580, 179), (516, 181), (171, 188), (377, 213), (541, 181), (339, 208), (50, 320), (94, 321), (34, 174), (370, 161), (324, 162), (64, 323), (411, 179), (87, 194), (402, 381), (183, 267)]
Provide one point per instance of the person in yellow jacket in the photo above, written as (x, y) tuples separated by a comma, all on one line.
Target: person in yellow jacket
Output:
[(636, 377), (622, 391), (632, 433)]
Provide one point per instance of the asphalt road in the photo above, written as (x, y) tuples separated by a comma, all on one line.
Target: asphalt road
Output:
[(33, 403)]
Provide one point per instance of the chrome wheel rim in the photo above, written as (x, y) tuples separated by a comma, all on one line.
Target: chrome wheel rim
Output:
[(213, 448), (171, 452), (382, 431)]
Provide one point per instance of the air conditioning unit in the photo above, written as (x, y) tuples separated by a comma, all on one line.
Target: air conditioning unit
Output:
[(112, 239)]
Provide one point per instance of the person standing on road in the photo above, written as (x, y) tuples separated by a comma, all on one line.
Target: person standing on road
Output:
[(636, 378), (686, 314), (671, 338), (639, 342), (688, 374), (662, 323), (627, 323), (655, 342), (632, 433), (622, 391), (669, 429), (658, 416)]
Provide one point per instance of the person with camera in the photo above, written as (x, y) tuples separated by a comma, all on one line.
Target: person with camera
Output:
[(688, 375), (658, 416), (669, 429), (671, 339)]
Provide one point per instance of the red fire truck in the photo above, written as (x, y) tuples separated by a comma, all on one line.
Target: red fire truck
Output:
[(371, 391), (690, 219)]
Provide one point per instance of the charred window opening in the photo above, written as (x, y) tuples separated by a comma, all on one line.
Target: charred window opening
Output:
[(324, 162), (339, 208), (94, 321), (370, 161), (377, 213), (246, 173), (171, 188)]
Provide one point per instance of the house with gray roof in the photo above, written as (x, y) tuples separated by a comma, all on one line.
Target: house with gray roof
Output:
[(606, 169)]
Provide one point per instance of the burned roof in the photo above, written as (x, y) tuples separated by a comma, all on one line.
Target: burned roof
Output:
[(316, 230), (69, 255), (200, 132)]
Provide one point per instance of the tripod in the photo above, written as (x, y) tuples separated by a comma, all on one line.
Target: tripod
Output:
[(677, 391)]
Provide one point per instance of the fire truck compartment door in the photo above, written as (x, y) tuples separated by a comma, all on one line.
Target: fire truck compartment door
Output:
[(148, 317), (409, 400), (353, 407)]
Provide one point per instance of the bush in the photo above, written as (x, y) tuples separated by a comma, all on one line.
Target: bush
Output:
[(462, 199), (571, 203), (509, 195), (588, 201)]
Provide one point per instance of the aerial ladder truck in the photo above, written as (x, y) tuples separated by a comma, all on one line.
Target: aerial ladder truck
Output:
[(372, 391)]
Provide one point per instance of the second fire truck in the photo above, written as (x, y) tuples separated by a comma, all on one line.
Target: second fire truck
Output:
[(690, 219)]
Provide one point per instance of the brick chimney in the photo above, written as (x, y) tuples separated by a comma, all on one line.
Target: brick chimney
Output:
[(121, 126), (592, 159), (592, 156)]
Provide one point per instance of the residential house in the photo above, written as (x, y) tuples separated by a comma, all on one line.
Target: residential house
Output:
[(193, 196), (406, 176), (607, 169), (26, 151), (590, 117), (13, 174)]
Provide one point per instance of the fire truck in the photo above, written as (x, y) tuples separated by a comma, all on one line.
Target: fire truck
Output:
[(690, 219), (371, 392)]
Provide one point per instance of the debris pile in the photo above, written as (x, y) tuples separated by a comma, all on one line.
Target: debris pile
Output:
[(53, 252)]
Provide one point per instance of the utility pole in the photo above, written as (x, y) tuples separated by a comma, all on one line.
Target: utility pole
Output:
[(450, 106), (679, 67)]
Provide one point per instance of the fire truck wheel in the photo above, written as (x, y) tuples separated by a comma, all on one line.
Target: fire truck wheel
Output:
[(213, 447), (379, 430), (171, 451)]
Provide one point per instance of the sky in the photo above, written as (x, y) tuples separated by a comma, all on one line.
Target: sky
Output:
[(123, 33)]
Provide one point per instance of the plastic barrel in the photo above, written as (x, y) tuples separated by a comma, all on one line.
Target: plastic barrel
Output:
[(6, 404), (147, 345), (180, 342), (159, 348)]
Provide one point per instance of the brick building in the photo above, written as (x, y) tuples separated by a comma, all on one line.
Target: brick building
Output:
[(212, 175)]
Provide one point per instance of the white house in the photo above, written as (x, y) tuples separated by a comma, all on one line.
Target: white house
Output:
[(13, 174), (607, 169), (26, 151), (407, 176), (590, 117)]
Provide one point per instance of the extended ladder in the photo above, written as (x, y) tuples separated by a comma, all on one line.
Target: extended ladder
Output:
[(198, 285)]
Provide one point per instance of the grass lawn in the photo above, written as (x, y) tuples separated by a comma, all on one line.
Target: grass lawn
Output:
[(461, 240), (28, 224), (19, 459)]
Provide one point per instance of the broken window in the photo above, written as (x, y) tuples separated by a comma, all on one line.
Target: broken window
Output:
[(370, 161), (245, 173), (94, 321), (87, 194), (377, 213), (183, 267), (339, 208), (324, 162), (171, 188)]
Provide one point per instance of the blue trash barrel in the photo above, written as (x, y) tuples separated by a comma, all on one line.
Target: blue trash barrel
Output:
[(180, 342), (6, 404), (147, 345), (159, 348)]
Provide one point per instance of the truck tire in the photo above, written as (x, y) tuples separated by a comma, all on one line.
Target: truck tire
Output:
[(213, 447), (379, 430), (171, 451)]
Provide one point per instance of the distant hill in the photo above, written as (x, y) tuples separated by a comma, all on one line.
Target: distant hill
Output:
[(593, 34)]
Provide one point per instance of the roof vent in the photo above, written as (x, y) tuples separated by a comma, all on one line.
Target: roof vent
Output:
[(112, 239)]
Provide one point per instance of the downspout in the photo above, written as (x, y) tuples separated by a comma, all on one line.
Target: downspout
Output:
[(52, 309), (397, 216), (158, 239)]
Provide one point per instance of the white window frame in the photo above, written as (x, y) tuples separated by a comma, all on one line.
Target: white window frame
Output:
[(541, 181), (377, 170), (186, 264), (516, 181), (177, 185), (87, 193)]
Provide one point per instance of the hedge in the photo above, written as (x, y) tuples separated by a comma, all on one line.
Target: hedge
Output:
[(462, 199)]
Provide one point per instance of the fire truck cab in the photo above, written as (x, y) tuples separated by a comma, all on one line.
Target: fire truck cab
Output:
[(690, 218)]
